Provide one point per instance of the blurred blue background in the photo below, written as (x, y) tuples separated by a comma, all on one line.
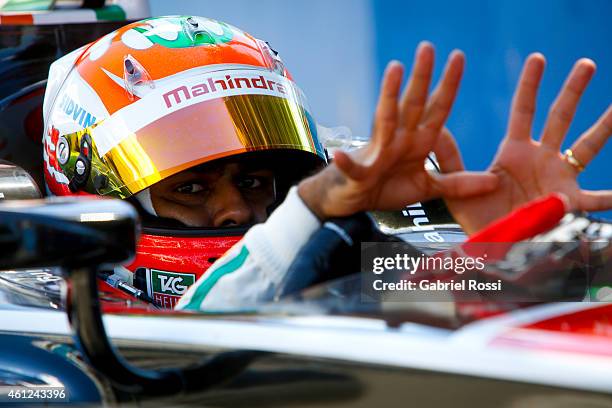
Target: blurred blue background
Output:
[(337, 51)]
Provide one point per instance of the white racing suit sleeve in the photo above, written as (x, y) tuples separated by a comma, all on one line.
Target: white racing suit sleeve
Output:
[(252, 269)]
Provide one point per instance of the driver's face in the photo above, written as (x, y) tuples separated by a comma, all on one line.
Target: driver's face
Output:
[(217, 195)]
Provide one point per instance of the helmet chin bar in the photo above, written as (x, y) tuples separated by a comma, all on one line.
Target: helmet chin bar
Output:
[(81, 235)]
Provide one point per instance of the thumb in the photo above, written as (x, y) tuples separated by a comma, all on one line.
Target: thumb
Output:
[(464, 184), (447, 153)]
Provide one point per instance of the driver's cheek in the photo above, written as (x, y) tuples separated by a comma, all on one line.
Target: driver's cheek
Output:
[(190, 214), (260, 202), (228, 207)]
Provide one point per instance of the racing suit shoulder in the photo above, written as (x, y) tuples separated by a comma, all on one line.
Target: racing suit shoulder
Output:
[(252, 269)]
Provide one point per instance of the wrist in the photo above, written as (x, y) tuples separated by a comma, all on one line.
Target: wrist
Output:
[(309, 190)]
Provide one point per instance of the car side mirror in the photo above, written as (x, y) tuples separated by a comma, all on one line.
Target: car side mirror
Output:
[(67, 232)]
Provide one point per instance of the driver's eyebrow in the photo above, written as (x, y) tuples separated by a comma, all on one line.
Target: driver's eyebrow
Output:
[(206, 168), (247, 165), (254, 165)]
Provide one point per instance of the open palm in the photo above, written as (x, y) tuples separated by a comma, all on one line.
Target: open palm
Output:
[(389, 172), (527, 168)]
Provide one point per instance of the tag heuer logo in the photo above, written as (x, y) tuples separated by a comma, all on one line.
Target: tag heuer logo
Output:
[(171, 283)]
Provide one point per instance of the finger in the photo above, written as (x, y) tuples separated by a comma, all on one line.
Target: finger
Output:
[(385, 118), (413, 100), (524, 101), (595, 200), (563, 109), (349, 167), (441, 100), (464, 184), (593, 140), (447, 153)]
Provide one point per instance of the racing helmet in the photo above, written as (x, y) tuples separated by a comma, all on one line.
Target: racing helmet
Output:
[(157, 97)]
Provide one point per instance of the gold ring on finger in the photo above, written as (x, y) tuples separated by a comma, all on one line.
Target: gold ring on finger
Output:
[(572, 160)]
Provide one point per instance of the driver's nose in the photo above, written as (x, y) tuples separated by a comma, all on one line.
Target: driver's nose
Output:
[(228, 206)]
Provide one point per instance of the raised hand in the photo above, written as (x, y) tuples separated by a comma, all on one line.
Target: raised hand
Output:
[(527, 168), (389, 172)]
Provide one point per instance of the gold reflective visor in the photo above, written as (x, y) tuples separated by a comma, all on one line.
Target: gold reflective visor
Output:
[(190, 136)]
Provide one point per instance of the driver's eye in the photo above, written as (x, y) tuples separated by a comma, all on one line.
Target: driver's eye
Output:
[(249, 182), (190, 188)]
